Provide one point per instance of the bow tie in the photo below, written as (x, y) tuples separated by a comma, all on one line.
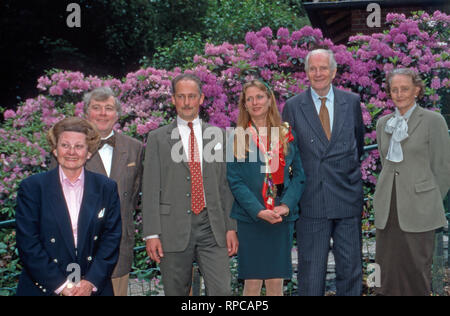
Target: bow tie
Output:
[(111, 141)]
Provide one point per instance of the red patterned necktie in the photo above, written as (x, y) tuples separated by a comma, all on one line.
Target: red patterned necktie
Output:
[(325, 117), (197, 194)]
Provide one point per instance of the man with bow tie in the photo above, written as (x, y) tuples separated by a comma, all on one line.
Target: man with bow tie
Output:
[(120, 158)]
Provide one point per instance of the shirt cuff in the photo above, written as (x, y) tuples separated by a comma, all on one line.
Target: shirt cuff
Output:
[(151, 237), (61, 288)]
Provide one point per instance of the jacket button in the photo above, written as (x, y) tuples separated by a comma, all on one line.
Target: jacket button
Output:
[(89, 258), (53, 240), (188, 178), (55, 260), (189, 211), (188, 195), (397, 173), (96, 237)]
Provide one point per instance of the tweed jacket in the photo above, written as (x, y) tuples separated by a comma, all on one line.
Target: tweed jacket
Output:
[(167, 188), (422, 179)]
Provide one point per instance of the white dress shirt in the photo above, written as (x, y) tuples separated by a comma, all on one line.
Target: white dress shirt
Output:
[(329, 104), (185, 133), (106, 154)]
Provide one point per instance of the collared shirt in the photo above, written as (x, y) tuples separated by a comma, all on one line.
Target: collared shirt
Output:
[(106, 154), (329, 104), (185, 133), (73, 194)]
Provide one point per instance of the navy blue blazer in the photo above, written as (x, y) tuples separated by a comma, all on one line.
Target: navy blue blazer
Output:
[(246, 182), (333, 177), (45, 238)]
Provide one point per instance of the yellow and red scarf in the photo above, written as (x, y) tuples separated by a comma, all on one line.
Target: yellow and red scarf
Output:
[(271, 179)]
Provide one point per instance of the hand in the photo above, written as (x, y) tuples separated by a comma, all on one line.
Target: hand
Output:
[(84, 288), (270, 216), (232, 243), (282, 210), (154, 249), (69, 290)]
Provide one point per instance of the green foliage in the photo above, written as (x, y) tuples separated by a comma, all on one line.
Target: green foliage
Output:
[(226, 21), (229, 20), (179, 54)]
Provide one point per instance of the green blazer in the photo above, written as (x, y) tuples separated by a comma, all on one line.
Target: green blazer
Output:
[(246, 181), (422, 179)]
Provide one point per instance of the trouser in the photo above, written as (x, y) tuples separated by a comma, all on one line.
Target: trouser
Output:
[(120, 285), (213, 262), (313, 240)]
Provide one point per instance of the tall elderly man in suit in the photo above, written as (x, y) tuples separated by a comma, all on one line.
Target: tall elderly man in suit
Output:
[(186, 199), (328, 123), (120, 158)]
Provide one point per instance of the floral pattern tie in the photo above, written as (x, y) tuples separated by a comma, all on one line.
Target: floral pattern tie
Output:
[(197, 193)]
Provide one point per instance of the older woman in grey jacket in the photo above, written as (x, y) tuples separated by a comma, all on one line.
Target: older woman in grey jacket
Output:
[(414, 148)]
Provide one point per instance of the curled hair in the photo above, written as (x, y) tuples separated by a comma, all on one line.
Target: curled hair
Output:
[(329, 52), (416, 80), (101, 94), (273, 117), (74, 124)]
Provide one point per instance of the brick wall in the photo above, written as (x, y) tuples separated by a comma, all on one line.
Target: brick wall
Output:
[(359, 19), (359, 25)]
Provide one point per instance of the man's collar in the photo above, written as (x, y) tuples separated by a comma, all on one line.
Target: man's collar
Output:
[(329, 95), (110, 134), (182, 122)]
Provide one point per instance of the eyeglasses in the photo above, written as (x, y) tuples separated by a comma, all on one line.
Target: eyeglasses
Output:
[(76, 147)]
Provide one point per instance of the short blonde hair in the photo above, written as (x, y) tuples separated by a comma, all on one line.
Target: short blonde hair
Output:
[(74, 124)]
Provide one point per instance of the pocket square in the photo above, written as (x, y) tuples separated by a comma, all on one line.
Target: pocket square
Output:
[(218, 146), (101, 213), (131, 164)]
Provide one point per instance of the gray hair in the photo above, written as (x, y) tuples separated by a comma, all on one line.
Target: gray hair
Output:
[(190, 77), (332, 61), (101, 94), (416, 80)]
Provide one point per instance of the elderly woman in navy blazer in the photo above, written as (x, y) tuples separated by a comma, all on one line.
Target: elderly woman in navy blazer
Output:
[(266, 177), (68, 220)]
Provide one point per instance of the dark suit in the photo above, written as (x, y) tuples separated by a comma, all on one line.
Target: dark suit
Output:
[(331, 204), (45, 237)]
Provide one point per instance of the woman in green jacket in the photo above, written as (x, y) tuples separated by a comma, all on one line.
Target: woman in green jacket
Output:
[(266, 177)]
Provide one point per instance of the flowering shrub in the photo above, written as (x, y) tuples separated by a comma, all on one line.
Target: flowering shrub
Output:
[(420, 42)]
